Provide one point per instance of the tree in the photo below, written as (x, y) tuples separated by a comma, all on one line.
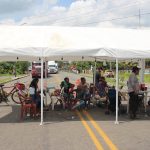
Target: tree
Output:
[(8, 67)]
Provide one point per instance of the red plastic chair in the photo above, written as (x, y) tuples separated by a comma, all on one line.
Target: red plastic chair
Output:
[(27, 106)]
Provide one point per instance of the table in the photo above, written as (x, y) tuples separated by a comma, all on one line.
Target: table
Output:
[(125, 92), (145, 99)]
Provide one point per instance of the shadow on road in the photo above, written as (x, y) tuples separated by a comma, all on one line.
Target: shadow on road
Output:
[(11, 114)]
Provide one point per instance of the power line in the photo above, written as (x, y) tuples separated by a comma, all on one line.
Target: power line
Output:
[(113, 19), (120, 18), (67, 19), (101, 12), (91, 12)]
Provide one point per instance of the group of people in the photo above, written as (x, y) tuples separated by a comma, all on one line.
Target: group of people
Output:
[(133, 89), (83, 90)]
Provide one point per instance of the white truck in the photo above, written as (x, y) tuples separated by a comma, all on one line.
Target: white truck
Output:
[(52, 67)]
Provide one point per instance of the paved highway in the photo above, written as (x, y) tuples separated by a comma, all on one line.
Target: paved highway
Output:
[(70, 130)]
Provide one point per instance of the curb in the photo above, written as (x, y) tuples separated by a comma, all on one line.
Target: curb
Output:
[(15, 79)]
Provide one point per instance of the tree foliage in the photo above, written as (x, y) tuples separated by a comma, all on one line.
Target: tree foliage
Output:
[(86, 65), (9, 67)]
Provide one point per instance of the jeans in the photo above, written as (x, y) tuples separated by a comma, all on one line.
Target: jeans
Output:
[(133, 103), (36, 100)]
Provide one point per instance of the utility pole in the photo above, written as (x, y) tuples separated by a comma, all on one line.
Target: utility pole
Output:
[(139, 18)]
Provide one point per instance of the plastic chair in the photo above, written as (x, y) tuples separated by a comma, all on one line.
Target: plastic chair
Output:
[(27, 106), (56, 95), (70, 99)]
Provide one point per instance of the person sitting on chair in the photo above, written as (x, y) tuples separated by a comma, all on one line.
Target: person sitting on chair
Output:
[(67, 89), (102, 87), (102, 90), (66, 85), (83, 90)]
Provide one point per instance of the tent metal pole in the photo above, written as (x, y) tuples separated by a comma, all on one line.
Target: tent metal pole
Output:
[(142, 66), (94, 74), (117, 87), (46, 81), (41, 91), (110, 65)]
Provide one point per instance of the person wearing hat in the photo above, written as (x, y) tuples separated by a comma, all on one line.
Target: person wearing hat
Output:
[(133, 90)]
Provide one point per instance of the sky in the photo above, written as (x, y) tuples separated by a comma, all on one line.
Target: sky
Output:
[(102, 13)]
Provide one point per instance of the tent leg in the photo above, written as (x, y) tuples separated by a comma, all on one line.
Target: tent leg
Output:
[(116, 122), (46, 82), (41, 91), (142, 66), (94, 73)]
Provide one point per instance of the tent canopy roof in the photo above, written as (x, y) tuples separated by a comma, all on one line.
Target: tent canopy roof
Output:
[(71, 43)]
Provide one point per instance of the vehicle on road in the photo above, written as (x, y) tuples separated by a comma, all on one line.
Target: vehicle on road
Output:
[(52, 67), (109, 74), (36, 69)]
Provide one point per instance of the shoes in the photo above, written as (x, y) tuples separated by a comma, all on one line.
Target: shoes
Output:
[(133, 116), (107, 112), (46, 109)]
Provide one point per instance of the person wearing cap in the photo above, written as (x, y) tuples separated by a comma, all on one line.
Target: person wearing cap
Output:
[(133, 90)]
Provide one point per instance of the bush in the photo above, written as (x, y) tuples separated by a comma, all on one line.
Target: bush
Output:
[(8, 67)]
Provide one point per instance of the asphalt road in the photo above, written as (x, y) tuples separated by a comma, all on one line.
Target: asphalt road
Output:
[(71, 130)]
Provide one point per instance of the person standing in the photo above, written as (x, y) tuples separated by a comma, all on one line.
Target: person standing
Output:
[(33, 91), (133, 90)]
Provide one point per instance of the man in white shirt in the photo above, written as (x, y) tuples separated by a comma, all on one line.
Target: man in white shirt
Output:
[(133, 90)]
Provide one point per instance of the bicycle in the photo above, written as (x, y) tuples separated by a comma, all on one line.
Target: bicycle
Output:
[(13, 93)]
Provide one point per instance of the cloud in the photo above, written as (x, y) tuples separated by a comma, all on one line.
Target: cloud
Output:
[(52, 1), (11, 6), (46, 18), (8, 22), (104, 13)]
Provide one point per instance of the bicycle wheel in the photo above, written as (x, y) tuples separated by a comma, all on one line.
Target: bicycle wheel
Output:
[(3, 97), (0, 97), (15, 97)]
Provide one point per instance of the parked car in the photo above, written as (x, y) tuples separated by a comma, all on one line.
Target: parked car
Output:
[(30, 68), (75, 71), (109, 74)]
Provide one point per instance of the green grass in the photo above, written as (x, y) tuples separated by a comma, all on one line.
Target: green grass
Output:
[(7, 77), (147, 78), (5, 80), (123, 77)]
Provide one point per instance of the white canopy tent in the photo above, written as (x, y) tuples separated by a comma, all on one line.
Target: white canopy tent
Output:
[(72, 43)]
